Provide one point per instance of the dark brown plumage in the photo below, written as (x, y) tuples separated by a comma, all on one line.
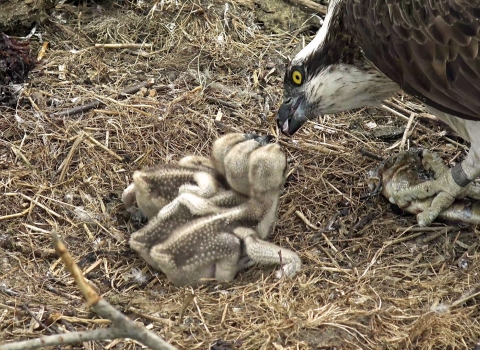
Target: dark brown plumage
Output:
[(429, 48)]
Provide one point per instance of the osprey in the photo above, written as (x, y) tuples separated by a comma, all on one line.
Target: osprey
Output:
[(368, 49)]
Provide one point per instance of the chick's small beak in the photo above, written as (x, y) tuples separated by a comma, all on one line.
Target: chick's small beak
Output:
[(289, 117)]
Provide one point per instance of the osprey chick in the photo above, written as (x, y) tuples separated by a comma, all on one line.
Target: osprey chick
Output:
[(368, 49)]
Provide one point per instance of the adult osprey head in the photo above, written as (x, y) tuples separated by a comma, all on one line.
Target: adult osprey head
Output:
[(368, 49)]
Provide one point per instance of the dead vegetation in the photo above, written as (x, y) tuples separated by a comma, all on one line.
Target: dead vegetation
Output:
[(369, 281)]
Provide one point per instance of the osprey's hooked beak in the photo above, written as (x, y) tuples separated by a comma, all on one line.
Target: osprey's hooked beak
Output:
[(290, 116)]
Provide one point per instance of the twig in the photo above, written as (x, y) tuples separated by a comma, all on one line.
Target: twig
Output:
[(471, 294), (48, 210), (364, 221), (331, 269), (424, 128), (19, 154), (310, 147), (311, 5), (404, 239), (181, 98), (123, 46), (70, 319), (306, 221), (79, 109), (52, 289), (188, 300), (16, 215), (95, 104), (165, 321), (406, 132), (69, 156), (434, 236), (423, 229), (231, 105), (201, 316), (319, 148), (35, 318), (105, 148), (329, 243)]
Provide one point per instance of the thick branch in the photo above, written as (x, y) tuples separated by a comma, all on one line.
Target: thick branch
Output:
[(68, 338)]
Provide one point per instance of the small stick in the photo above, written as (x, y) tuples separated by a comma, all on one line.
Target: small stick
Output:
[(18, 153), (464, 299), (339, 147), (69, 156), (333, 269), (16, 215), (231, 105), (79, 109), (397, 106), (224, 315), (306, 221), (329, 243), (320, 149), (35, 318), (424, 128), (44, 116), (95, 104), (108, 150), (414, 262), (311, 5), (309, 147), (50, 211), (182, 97), (84, 320), (16, 310), (423, 229), (201, 316), (434, 236), (369, 154), (52, 289), (188, 300), (406, 132), (42, 51), (404, 239), (106, 111), (165, 321), (123, 46)]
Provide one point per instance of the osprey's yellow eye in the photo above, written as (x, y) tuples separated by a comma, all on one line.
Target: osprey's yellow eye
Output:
[(297, 77)]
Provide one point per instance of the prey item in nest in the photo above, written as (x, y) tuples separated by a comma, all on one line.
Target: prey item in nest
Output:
[(415, 166), (213, 218), (15, 64)]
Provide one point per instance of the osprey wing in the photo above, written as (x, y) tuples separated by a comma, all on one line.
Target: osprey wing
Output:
[(429, 47)]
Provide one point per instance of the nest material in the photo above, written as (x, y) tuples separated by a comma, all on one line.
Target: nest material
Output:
[(16, 62), (368, 282)]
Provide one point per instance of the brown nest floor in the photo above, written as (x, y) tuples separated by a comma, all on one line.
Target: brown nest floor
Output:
[(368, 281)]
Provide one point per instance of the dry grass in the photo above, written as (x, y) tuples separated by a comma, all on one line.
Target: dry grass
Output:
[(367, 282)]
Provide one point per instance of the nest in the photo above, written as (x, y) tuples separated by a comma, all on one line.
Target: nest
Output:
[(369, 280)]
